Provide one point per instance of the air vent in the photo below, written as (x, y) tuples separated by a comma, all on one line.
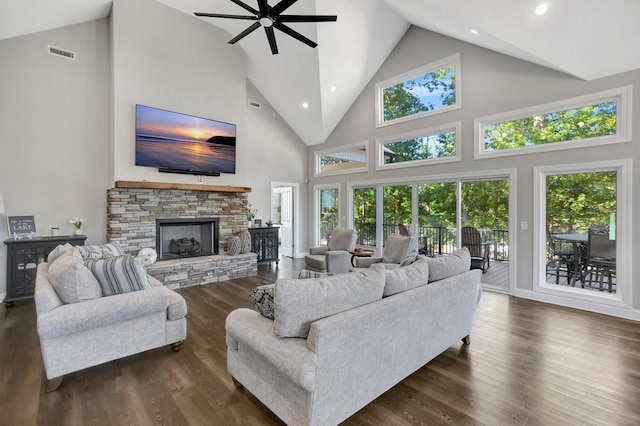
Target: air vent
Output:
[(62, 52), (254, 104)]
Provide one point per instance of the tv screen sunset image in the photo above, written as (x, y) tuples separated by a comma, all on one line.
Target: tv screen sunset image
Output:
[(170, 140)]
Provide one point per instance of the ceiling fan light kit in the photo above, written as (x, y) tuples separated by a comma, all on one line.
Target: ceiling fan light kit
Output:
[(269, 18)]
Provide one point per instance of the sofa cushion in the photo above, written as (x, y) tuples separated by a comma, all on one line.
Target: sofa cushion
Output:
[(118, 275), (446, 266), (71, 280), (101, 251), (59, 250), (262, 296), (298, 303), (400, 249), (406, 277)]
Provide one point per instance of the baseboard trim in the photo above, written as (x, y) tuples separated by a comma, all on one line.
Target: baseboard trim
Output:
[(627, 313), (3, 295)]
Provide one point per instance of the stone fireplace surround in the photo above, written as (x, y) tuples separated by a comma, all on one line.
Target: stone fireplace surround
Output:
[(132, 210)]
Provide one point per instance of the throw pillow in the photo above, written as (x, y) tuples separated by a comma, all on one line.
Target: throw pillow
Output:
[(71, 280), (234, 245), (59, 250), (245, 239), (263, 297), (307, 273), (406, 277), (298, 303), (342, 239), (446, 266), (118, 275), (101, 251), (147, 256)]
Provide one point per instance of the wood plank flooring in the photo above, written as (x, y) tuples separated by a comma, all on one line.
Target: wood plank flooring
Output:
[(528, 364)]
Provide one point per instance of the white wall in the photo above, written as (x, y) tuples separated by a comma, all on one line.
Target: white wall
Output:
[(54, 130), (491, 83)]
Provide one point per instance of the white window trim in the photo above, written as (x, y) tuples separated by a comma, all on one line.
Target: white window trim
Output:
[(577, 297), (622, 96), (316, 209), (329, 151), (422, 133), (433, 66)]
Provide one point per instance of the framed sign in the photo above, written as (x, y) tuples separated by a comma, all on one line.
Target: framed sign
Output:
[(257, 223), (21, 225)]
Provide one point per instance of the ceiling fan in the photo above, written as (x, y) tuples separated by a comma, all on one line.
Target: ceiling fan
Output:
[(270, 17)]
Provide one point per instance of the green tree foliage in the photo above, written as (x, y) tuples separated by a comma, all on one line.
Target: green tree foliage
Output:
[(485, 204), (580, 123), (579, 200), (436, 146)]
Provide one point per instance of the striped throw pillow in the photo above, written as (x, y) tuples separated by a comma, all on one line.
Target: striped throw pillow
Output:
[(118, 275)]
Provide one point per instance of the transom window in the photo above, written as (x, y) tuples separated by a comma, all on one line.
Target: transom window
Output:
[(431, 89), (426, 146), (595, 119), (345, 159)]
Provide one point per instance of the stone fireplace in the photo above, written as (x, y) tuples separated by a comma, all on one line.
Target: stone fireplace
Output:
[(198, 218), (181, 238)]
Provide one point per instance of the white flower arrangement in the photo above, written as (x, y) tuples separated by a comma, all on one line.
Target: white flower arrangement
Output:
[(77, 222)]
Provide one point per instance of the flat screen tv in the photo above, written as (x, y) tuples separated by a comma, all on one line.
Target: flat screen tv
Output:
[(180, 143)]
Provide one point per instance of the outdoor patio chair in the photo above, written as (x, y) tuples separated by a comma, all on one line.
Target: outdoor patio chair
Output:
[(561, 263), (479, 250), (601, 259), (402, 230)]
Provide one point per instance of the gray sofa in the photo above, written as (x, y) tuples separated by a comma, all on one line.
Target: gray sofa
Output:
[(74, 336), (353, 356)]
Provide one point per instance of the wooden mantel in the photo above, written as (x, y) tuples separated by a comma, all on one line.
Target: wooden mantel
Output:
[(183, 186)]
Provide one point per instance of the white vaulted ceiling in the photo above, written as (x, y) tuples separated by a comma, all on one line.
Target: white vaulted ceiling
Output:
[(587, 39)]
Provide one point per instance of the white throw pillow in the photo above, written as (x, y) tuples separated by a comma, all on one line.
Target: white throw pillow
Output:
[(71, 280), (298, 303), (58, 251)]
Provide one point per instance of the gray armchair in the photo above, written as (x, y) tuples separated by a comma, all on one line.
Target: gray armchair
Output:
[(399, 250), (334, 257)]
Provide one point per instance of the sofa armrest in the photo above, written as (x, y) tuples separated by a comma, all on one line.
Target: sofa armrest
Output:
[(95, 313), (338, 261), (248, 330), (365, 262)]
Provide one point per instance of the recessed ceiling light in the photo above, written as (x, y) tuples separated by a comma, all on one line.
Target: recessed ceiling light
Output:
[(473, 31), (542, 9), (305, 105), (333, 88)]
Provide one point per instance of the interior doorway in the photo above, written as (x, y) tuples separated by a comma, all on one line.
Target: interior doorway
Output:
[(284, 203)]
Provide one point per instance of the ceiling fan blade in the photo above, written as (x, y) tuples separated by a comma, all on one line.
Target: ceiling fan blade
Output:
[(264, 7), (272, 40), (282, 6), (307, 18), (220, 15), (245, 33), (245, 6), (288, 31)]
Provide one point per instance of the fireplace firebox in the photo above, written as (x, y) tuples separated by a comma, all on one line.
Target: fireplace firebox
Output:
[(186, 237)]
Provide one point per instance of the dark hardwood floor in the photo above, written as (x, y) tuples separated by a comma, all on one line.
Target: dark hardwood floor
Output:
[(528, 364)]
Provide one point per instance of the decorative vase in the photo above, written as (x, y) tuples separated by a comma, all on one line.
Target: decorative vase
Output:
[(78, 231), (250, 224)]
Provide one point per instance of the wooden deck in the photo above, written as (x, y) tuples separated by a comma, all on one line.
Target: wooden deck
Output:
[(497, 275)]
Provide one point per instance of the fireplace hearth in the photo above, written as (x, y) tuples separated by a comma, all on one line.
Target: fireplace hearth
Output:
[(180, 238)]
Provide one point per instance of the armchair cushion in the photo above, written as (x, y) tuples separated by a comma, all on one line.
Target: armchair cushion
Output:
[(318, 250), (342, 239), (71, 280), (300, 302), (446, 266), (400, 249), (120, 274)]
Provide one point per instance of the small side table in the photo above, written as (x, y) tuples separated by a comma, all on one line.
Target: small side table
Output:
[(23, 257), (360, 253)]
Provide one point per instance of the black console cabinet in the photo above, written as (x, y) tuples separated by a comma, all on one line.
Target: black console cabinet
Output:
[(264, 242), (23, 257)]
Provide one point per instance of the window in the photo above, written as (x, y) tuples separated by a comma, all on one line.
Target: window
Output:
[(345, 159), (327, 211), (427, 146), (428, 90), (595, 119)]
